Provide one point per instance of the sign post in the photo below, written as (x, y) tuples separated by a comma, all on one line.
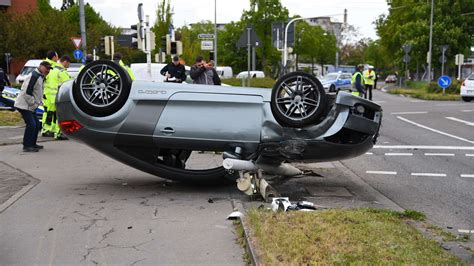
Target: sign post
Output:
[(459, 60), (444, 82), (442, 59)]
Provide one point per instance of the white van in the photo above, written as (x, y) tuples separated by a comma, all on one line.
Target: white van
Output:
[(253, 74), (224, 72), (30, 65)]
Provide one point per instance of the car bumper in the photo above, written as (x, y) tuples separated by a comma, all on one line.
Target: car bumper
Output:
[(467, 91)]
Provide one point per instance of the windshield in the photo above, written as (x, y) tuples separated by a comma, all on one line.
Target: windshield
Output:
[(330, 76), (471, 77), (27, 70)]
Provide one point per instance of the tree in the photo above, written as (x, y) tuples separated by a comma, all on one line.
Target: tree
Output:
[(163, 21), (229, 54), (261, 15), (191, 42)]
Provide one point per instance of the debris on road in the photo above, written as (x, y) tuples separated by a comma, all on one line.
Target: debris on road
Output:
[(283, 204), (235, 215)]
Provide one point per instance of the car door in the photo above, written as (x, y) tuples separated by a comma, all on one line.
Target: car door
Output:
[(210, 121)]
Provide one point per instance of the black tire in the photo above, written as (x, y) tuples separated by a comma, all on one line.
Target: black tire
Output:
[(101, 88), (466, 99), (332, 88), (298, 100)]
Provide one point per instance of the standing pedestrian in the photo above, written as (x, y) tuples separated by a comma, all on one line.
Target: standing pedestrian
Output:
[(203, 73), (369, 81), (59, 75), (118, 59), (174, 71), (49, 88), (4, 81), (29, 98), (358, 82)]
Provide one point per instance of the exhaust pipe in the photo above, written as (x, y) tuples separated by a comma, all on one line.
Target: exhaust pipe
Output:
[(242, 165)]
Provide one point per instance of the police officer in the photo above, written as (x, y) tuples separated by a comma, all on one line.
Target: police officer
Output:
[(174, 70), (369, 81), (57, 77), (358, 82), (49, 89), (118, 59)]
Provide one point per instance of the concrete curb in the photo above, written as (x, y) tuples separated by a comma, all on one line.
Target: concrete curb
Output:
[(21, 192), (250, 248)]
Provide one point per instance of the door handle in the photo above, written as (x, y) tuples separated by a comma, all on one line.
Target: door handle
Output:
[(167, 130)]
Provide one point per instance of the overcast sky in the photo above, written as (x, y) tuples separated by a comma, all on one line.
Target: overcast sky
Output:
[(122, 13)]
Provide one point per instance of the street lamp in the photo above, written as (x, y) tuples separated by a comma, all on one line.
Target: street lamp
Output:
[(431, 41), (215, 33)]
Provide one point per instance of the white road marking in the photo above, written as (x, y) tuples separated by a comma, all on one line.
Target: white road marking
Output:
[(379, 102), (428, 174), (469, 176), (439, 154), (417, 101), (408, 113), (469, 154), (464, 231), (398, 154), (369, 153), (16, 137), (424, 147), (467, 111), (461, 121), (381, 172), (435, 130)]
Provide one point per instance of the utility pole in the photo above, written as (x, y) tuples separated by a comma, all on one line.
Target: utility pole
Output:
[(431, 41), (215, 33), (82, 22)]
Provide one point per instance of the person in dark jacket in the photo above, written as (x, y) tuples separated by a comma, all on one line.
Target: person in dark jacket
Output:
[(174, 71), (203, 73), (29, 98), (358, 82), (4, 81)]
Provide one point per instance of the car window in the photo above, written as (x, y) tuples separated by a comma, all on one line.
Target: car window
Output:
[(27, 70), (470, 77), (330, 76), (346, 76)]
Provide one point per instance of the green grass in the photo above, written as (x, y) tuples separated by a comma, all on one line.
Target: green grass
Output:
[(360, 236), (256, 82), (431, 91), (8, 118), (240, 233)]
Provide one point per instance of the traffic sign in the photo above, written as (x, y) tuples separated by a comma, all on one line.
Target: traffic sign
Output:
[(244, 40), (442, 59), (407, 48), (207, 45), (77, 41), (78, 54), (406, 58), (444, 82), (204, 36)]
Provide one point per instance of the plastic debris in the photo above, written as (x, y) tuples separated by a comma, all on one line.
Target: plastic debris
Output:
[(280, 204), (235, 215), (284, 204)]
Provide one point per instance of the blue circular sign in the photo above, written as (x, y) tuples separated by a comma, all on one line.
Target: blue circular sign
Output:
[(78, 54), (444, 82)]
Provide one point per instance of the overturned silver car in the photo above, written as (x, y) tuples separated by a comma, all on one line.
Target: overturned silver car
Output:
[(155, 126)]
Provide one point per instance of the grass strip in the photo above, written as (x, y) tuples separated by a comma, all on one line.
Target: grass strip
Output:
[(366, 236), (256, 82), (9, 118)]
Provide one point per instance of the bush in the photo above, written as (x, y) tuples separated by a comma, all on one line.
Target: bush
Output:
[(256, 82)]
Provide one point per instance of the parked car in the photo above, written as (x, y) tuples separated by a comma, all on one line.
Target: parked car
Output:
[(30, 65), (391, 79), (253, 74), (10, 94), (224, 72), (155, 126), (336, 81), (467, 88)]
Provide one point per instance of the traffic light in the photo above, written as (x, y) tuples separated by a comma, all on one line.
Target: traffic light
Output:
[(134, 35), (106, 43), (173, 49), (163, 43), (211, 55)]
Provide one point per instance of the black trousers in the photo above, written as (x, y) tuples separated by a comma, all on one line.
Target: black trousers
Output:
[(368, 89)]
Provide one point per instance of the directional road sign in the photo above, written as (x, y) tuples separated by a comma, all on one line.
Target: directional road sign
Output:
[(204, 36), (78, 54), (243, 41), (77, 41), (444, 82), (207, 45)]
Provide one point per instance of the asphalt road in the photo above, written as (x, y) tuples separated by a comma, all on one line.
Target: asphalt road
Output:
[(424, 159)]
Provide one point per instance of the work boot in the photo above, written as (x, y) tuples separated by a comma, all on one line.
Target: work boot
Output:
[(61, 137), (39, 147), (48, 134), (30, 149)]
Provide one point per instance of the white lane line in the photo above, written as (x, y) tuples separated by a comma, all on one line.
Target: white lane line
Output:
[(408, 113), (435, 130), (369, 153), (424, 147), (439, 154), (398, 154), (417, 101), (469, 154), (460, 121), (468, 176), (428, 174), (381, 172), (467, 111), (380, 102), (464, 231)]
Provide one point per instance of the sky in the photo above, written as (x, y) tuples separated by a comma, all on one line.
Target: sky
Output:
[(123, 13)]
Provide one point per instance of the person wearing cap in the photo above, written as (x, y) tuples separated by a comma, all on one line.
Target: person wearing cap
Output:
[(358, 82), (89, 59), (118, 59), (369, 81), (174, 71), (49, 88), (29, 98), (59, 75)]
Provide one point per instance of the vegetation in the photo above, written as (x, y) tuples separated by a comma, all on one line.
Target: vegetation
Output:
[(256, 82), (8, 118), (362, 236), (429, 91)]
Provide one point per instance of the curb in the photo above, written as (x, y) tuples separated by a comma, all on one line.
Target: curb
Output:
[(249, 246), (21, 192)]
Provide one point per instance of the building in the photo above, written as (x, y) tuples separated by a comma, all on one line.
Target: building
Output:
[(18, 6)]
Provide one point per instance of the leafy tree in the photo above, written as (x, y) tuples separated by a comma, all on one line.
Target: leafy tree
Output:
[(163, 21), (229, 54), (261, 15), (191, 42)]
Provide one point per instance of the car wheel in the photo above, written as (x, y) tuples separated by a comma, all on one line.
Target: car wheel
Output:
[(332, 88), (466, 99), (298, 99), (101, 88)]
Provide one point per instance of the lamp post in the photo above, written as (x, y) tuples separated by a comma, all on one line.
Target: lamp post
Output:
[(285, 49), (431, 41), (215, 33)]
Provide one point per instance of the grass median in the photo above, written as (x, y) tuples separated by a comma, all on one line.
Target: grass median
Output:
[(9, 118), (429, 91), (360, 236), (255, 82)]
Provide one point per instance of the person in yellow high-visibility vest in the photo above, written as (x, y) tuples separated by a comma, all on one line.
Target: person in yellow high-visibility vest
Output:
[(369, 81), (49, 84), (118, 59), (358, 82), (58, 76)]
